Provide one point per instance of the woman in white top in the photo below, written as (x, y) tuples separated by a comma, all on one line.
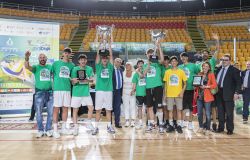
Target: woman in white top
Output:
[(128, 97)]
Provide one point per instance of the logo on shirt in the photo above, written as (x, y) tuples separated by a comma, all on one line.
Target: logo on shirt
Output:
[(151, 72), (64, 72), (174, 80), (105, 73), (142, 82), (187, 72), (45, 75)]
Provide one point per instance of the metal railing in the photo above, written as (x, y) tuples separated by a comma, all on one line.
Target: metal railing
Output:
[(119, 13)]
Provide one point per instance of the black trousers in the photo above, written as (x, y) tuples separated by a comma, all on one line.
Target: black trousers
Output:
[(117, 99), (225, 112), (246, 101)]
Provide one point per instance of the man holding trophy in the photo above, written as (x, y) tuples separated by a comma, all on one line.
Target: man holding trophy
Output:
[(104, 76), (152, 73), (81, 76)]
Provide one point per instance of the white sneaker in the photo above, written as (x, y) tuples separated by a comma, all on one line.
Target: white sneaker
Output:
[(56, 135), (190, 126), (200, 130), (207, 132), (139, 125), (49, 133), (75, 132), (39, 134), (90, 126), (127, 123), (66, 131), (132, 124)]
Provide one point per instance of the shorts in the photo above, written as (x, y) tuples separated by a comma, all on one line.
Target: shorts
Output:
[(171, 101), (154, 95), (62, 98), (103, 99), (188, 97), (76, 102), (140, 100)]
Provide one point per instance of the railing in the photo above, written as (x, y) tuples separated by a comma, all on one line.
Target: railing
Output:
[(122, 14)]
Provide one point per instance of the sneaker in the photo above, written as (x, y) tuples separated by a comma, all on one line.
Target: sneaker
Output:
[(190, 126), (161, 129), (132, 124), (214, 127), (184, 124), (127, 123), (200, 130), (95, 131), (139, 125), (39, 134), (179, 129), (90, 126), (75, 132), (245, 121), (49, 133), (170, 129), (207, 132), (149, 128), (66, 132), (56, 135), (110, 129)]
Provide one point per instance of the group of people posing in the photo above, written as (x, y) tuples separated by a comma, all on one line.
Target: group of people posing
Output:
[(163, 86)]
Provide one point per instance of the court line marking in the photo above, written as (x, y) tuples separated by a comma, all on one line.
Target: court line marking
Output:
[(131, 152)]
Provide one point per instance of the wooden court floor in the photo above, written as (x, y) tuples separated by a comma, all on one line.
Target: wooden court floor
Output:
[(127, 144)]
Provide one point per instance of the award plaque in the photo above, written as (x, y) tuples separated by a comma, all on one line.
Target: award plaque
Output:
[(197, 81), (81, 75)]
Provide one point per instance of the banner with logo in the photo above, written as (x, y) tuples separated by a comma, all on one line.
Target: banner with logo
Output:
[(16, 37)]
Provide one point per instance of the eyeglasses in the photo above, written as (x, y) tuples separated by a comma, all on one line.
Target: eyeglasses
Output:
[(225, 60)]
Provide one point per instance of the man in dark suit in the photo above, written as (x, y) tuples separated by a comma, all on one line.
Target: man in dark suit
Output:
[(246, 92), (117, 91), (229, 85)]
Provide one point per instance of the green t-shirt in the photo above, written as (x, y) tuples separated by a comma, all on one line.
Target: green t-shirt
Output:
[(212, 62), (42, 76), (81, 90), (104, 77), (190, 70), (61, 71), (153, 77), (140, 85)]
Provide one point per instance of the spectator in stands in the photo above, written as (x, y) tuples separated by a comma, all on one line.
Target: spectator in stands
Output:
[(246, 92), (80, 91), (117, 91), (152, 72), (205, 97), (104, 88), (190, 70), (62, 93), (139, 87), (43, 93), (175, 86), (128, 95), (229, 84)]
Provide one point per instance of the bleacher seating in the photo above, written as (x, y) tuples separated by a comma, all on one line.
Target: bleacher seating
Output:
[(224, 16)]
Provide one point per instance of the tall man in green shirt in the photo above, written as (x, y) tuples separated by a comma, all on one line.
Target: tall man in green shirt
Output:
[(81, 76), (43, 92), (190, 70), (154, 90), (104, 88), (62, 90)]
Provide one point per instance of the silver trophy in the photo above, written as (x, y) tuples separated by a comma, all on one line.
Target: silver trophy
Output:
[(156, 36), (103, 33)]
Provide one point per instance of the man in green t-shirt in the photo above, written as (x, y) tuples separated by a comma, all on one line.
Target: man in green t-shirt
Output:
[(43, 92), (62, 90), (104, 88), (190, 70), (139, 87), (154, 90), (81, 76)]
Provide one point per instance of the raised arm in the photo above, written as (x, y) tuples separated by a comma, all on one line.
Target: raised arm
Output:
[(26, 63), (97, 59), (217, 39), (110, 50), (161, 60)]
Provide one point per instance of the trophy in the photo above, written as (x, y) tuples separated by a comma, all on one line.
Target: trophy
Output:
[(104, 33), (81, 75), (156, 36)]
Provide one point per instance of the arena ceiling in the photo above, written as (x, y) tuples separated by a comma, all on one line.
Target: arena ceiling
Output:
[(136, 5)]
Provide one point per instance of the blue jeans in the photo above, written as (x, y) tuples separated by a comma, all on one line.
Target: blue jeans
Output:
[(44, 99), (207, 105)]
